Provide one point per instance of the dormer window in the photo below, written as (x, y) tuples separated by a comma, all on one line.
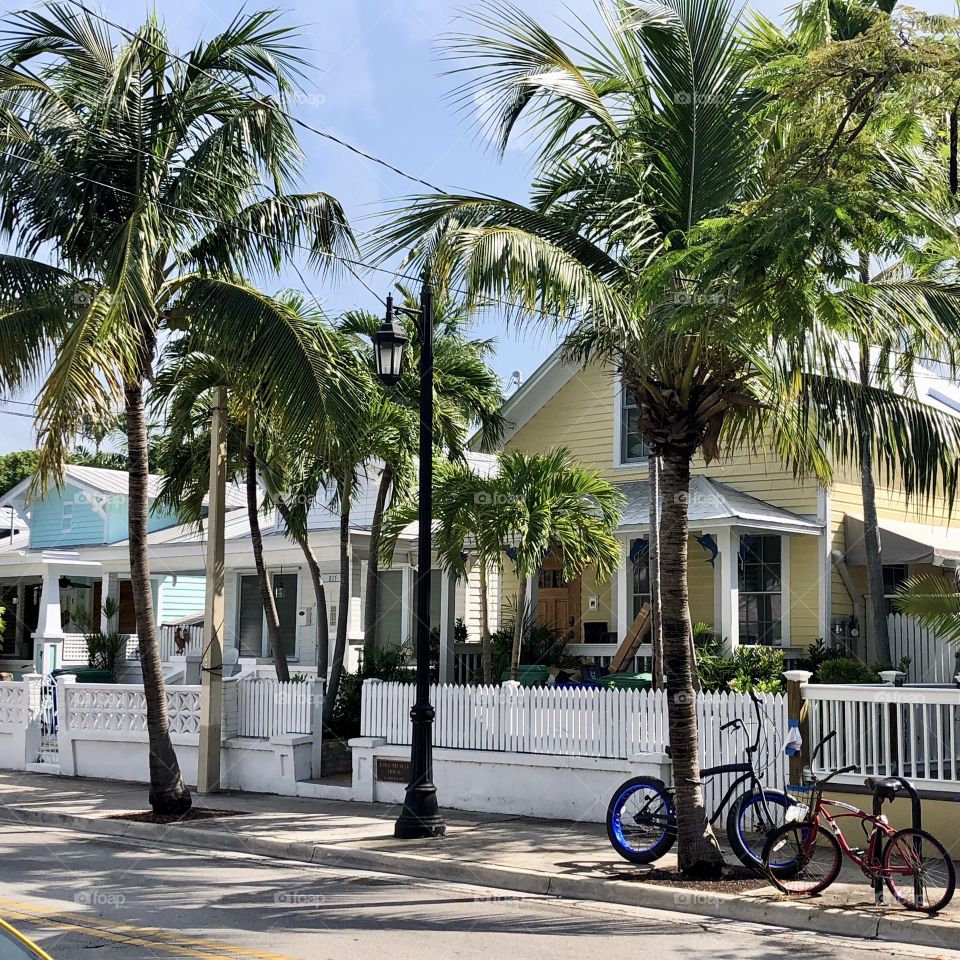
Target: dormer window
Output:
[(633, 448)]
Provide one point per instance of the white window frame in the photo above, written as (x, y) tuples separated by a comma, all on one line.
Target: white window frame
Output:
[(786, 599), (619, 463), (264, 636), (66, 522)]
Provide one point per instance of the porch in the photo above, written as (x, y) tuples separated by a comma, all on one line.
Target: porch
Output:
[(755, 574)]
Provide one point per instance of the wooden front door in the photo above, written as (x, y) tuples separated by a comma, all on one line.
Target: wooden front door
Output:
[(558, 601)]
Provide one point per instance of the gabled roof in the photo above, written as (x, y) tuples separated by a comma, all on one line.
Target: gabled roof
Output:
[(931, 382), (712, 502), (542, 385), (110, 483)]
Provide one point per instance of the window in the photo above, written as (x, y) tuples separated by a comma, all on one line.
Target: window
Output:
[(633, 448), (67, 516), (639, 571), (761, 585), (252, 637), (894, 577)]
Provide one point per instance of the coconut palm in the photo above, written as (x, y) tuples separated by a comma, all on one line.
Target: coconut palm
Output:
[(468, 532), (154, 183), (466, 394), (648, 136)]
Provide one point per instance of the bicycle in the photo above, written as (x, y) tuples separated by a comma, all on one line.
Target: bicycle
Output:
[(804, 857), (642, 819)]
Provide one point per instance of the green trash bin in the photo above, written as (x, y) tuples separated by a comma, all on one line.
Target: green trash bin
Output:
[(529, 674), (94, 675), (627, 681)]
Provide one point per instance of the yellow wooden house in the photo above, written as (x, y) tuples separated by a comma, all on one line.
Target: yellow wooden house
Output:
[(773, 559)]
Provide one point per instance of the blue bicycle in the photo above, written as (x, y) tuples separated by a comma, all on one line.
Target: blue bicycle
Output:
[(642, 817)]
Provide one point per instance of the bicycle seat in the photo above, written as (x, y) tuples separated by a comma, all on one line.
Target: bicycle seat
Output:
[(882, 787)]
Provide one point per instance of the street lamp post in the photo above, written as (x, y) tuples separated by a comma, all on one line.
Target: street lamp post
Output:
[(421, 815)]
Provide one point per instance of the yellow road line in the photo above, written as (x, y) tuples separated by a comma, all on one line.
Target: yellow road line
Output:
[(114, 931)]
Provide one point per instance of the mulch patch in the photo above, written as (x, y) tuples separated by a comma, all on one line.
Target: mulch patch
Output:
[(194, 813), (733, 880)]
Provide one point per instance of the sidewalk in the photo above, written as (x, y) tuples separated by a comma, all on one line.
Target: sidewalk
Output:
[(572, 860)]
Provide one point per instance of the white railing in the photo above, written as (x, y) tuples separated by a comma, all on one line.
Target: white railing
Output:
[(912, 732), (178, 639), (933, 660), (122, 708), (13, 695), (268, 708), (585, 722)]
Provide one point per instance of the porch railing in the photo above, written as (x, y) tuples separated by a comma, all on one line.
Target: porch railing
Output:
[(181, 638), (883, 730)]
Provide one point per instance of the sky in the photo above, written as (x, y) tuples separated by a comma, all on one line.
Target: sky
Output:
[(378, 83)]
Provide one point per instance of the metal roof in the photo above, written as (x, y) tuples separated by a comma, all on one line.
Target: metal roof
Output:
[(904, 542), (712, 502)]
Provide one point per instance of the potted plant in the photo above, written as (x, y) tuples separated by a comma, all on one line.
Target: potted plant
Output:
[(105, 650)]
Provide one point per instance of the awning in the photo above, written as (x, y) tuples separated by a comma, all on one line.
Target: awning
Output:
[(904, 542), (714, 504)]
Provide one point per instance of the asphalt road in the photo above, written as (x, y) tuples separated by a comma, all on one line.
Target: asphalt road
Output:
[(84, 897)]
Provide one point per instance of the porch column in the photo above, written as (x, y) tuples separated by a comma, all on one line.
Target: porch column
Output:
[(727, 587), (448, 602), (406, 603), (109, 587), (49, 624), (623, 619)]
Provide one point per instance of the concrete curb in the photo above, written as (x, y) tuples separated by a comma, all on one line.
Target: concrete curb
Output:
[(894, 927)]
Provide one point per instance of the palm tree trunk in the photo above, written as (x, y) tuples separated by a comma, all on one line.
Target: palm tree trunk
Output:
[(486, 643), (697, 850), (653, 558), (518, 627), (343, 614), (370, 603), (877, 635), (266, 593), (168, 792), (319, 591)]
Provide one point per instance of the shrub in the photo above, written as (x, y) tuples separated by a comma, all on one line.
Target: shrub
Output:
[(383, 663), (748, 668), (538, 645), (846, 670)]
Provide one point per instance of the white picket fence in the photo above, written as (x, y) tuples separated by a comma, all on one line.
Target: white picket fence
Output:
[(933, 660), (268, 708), (584, 722)]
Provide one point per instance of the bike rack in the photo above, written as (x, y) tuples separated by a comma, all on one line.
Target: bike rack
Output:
[(916, 816)]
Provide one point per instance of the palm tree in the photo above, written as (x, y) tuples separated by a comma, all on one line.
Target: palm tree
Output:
[(816, 25), (644, 145), (467, 393), (933, 600), (143, 176), (549, 503), (465, 505)]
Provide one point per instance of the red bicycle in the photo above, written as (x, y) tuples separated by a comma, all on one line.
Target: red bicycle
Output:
[(803, 857)]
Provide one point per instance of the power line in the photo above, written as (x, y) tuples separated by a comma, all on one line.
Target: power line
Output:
[(260, 101), (347, 261)]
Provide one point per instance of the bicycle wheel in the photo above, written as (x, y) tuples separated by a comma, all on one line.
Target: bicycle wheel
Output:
[(751, 819), (801, 859), (918, 871), (641, 820)]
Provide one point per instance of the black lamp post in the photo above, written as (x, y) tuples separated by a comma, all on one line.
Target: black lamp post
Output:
[(421, 815)]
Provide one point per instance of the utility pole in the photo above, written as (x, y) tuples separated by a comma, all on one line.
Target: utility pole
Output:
[(211, 690)]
